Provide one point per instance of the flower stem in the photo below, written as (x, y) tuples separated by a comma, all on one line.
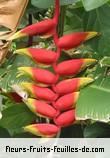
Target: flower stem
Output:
[(57, 11), (62, 20), (30, 40)]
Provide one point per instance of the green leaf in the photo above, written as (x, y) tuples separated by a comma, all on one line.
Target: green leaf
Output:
[(74, 131), (95, 20), (10, 78), (4, 133), (9, 75), (98, 20), (73, 20), (94, 101), (48, 3), (105, 62), (15, 117), (93, 4), (97, 130)]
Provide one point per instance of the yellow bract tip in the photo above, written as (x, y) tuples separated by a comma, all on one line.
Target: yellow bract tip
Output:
[(89, 61), (91, 35), (27, 86), (25, 71), (30, 103), (17, 35), (85, 81), (76, 96), (23, 51), (31, 129)]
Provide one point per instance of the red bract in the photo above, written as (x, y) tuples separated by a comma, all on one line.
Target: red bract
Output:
[(67, 101), (44, 28), (39, 55), (41, 108), (73, 67), (39, 92), (65, 119), (43, 130), (71, 85), (38, 75), (74, 39)]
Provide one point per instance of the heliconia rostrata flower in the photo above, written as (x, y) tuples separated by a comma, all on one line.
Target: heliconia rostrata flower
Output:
[(73, 67), (43, 130), (74, 39), (47, 96), (40, 56), (41, 108), (65, 119), (67, 101), (71, 85), (44, 28), (38, 75), (39, 92)]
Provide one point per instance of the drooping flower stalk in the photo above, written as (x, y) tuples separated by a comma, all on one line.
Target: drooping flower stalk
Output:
[(57, 11), (58, 101)]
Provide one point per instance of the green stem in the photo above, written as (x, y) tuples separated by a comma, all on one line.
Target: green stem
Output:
[(62, 20), (30, 40)]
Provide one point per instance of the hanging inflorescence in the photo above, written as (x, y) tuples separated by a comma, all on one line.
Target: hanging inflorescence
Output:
[(49, 97)]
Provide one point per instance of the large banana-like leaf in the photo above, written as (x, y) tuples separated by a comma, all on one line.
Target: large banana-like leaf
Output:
[(48, 3), (15, 117), (94, 101), (92, 4)]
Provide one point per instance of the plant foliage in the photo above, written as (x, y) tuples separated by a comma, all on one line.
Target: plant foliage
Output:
[(93, 104)]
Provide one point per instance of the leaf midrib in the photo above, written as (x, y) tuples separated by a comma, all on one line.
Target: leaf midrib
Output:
[(100, 88)]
